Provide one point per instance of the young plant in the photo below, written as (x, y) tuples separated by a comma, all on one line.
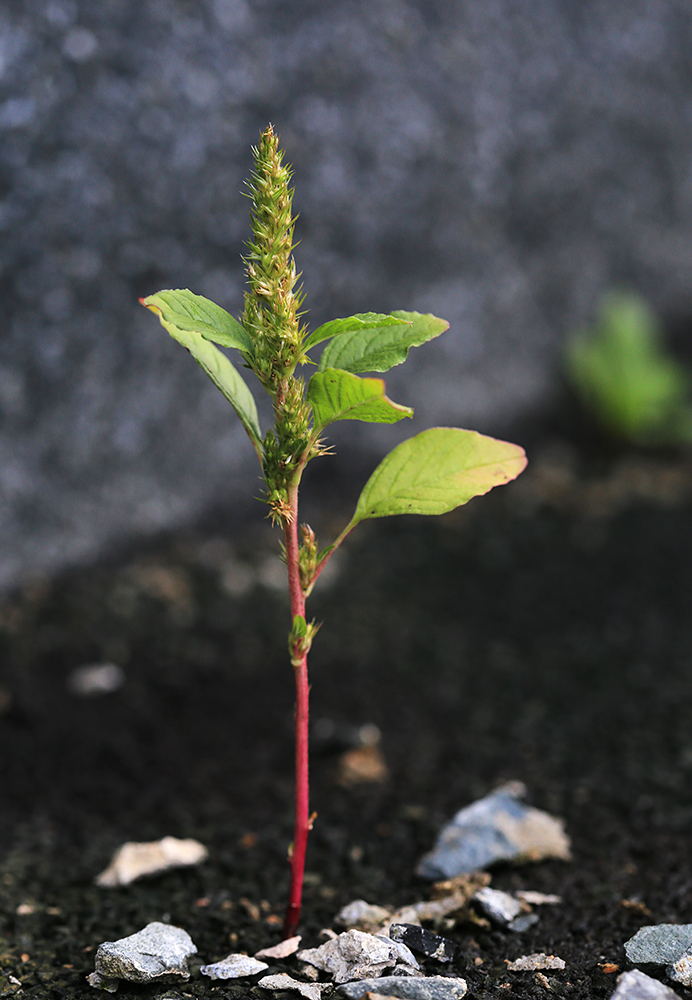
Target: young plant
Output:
[(431, 473), (625, 376)]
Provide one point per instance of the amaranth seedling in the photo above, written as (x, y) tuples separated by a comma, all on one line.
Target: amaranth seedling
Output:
[(431, 473)]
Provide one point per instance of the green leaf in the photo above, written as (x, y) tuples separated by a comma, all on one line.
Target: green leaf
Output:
[(625, 375), (195, 314), (351, 324), (220, 371), (300, 627), (380, 348), (436, 471), (337, 395)]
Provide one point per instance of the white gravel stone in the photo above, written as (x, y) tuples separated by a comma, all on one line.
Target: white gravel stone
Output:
[(537, 898), (283, 949), (234, 966), (405, 915), (133, 861), (362, 916), (158, 953), (356, 955), (95, 679), (282, 981), (538, 960), (635, 985), (497, 905)]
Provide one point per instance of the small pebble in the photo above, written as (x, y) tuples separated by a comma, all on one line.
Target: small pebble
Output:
[(25, 909), (309, 971), (362, 916), (426, 942), (538, 960), (234, 966), (635, 985), (498, 827), (522, 923), (363, 765), (282, 981), (133, 861), (499, 906), (158, 953), (357, 955), (659, 944), (681, 971), (95, 679), (281, 950), (428, 988), (537, 898), (405, 915)]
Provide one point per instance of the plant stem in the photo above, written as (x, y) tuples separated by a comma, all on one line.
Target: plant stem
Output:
[(302, 821)]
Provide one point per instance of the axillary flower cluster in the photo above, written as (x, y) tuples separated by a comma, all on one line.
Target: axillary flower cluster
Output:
[(431, 473)]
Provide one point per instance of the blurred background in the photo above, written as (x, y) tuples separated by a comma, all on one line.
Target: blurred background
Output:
[(501, 165)]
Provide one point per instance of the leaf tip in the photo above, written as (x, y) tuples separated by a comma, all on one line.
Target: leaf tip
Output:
[(148, 304)]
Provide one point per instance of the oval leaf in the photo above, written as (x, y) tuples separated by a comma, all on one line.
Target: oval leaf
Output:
[(361, 321), (336, 395), (436, 471), (220, 371), (195, 314), (380, 348)]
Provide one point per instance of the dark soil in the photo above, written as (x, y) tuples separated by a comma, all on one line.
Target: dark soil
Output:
[(542, 633)]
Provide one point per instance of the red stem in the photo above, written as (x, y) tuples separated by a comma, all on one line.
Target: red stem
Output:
[(302, 821)]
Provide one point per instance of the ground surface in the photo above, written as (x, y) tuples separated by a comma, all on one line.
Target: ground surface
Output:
[(542, 634)]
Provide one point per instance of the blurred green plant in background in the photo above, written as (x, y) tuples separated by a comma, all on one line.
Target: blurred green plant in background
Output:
[(626, 378)]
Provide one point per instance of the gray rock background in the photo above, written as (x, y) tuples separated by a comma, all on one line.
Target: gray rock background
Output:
[(500, 164)]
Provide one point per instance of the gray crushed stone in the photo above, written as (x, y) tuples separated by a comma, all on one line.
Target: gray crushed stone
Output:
[(499, 827), (497, 905), (358, 955), (636, 985), (659, 944), (429, 988), (234, 967), (158, 953)]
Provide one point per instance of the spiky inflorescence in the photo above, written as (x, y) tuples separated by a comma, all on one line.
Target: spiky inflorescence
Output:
[(272, 305), (272, 317)]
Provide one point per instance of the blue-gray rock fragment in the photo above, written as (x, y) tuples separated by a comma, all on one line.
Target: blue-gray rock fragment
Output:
[(425, 942), (158, 953), (522, 923), (429, 988), (659, 944), (498, 827), (498, 906), (664, 944), (635, 985)]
